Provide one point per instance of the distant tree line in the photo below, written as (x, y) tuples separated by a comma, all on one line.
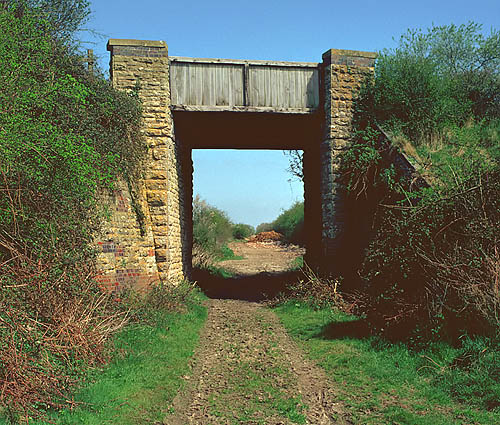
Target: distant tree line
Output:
[(290, 223)]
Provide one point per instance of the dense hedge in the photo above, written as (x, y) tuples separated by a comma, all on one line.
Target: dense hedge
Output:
[(290, 223), (212, 230), (65, 136), (432, 267)]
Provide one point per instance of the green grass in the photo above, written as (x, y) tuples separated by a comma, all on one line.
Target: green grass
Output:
[(382, 383), (138, 386), (253, 396), (227, 253), (297, 263), (220, 272)]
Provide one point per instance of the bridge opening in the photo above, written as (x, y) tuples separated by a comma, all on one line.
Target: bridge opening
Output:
[(213, 133), (235, 192), (200, 103)]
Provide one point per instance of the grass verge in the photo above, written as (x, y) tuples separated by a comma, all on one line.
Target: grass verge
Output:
[(227, 253), (297, 263), (382, 383), (151, 354)]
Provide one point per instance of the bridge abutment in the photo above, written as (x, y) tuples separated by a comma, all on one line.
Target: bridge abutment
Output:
[(343, 73), (144, 240)]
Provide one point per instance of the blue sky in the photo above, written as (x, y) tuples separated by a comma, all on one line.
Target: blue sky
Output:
[(253, 186)]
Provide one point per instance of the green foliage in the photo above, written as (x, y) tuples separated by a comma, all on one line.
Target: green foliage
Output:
[(432, 80), (312, 290), (297, 263), (66, 136), (65, 17), (227, 253), (363, 161), (212, 230), (474, 374), (290, 223), (432, 259), (264, 227), (150, 358), (431, 269), (211, 226), (242, 231)]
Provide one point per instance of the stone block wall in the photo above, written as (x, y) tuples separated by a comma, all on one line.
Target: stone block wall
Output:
[(132, 255), (343, 72)]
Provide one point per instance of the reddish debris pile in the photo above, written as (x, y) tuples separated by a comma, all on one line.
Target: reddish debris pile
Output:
[(266, 237)]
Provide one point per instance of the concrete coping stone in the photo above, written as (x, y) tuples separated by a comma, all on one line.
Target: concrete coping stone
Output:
[(349, 57), (349, 53), (135, 43)]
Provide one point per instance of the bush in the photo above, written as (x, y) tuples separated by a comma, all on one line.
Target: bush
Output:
[(211, 226), (264, 227), (431, 268), (432, 80), (290, 223), (242, 231), (315, 291), (66, 135)]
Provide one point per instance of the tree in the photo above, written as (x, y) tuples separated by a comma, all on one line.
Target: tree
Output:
[(295, 163), (65, 17), (290, 223), (242, 231), (65, 136), (211, 226), (434, 79)]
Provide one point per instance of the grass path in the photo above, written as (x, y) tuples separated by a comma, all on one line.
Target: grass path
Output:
[(249, 371)]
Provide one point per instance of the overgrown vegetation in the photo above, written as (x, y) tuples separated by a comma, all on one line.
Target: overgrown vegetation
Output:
[(381, 383), (65, 136), (427, 308), (212, 231), (432, 268), (150, 357), (290, 223), (242, 231)]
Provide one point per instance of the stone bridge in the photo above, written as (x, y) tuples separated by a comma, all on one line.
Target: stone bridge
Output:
[(197, 103)]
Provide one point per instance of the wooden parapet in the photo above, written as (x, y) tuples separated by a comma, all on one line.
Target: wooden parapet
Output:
[(244, 86)]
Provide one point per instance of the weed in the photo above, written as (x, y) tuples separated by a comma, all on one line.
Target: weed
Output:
[(297, 263), (316, 291), (150, 356)]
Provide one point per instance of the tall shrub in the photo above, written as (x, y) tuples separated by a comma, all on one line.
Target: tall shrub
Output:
[(211, 227), (290, 223), (432, 266), (437, 78)]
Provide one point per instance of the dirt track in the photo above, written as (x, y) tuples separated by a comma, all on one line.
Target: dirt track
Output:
[(261, 257), (248, 371)]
